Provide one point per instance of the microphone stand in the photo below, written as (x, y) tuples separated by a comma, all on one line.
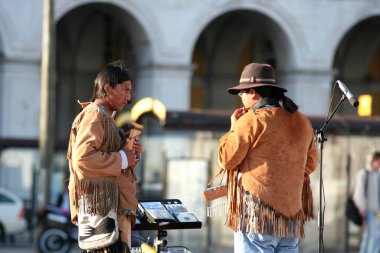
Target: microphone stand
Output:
[(320, 137)]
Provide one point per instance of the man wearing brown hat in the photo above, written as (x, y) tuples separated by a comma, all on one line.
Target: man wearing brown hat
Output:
[(268, 153)]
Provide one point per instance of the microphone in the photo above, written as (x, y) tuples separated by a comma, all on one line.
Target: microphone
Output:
[(351, 98)]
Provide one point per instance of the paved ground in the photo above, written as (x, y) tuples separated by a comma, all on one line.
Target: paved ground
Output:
[(27, 250), (23, 248), (24, 243)]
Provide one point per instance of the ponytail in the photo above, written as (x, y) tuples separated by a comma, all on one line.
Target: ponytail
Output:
[(284, 101), (288, 104)]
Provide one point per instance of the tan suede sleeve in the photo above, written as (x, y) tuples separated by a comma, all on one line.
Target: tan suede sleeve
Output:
[(88, 159), (312, 158), (234, 145)]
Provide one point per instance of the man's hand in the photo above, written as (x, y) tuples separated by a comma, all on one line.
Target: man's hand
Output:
[(134, 154), (137, 147), (131, 157), (236, 115)]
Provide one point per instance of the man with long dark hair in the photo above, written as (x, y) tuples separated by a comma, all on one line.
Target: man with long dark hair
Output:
[(268, 153), (102, 180)]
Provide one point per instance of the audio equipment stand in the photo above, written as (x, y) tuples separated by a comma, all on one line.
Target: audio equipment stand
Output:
[(320, 138)]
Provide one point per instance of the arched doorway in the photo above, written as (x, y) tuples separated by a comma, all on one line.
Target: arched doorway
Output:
[(225, 46), (357, 60), (88, 37)]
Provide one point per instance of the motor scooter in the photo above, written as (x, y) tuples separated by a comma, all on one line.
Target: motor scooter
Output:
[(55, 231)]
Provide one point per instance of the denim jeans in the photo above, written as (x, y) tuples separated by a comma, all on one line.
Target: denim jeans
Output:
[(255, 243), (371, 237)]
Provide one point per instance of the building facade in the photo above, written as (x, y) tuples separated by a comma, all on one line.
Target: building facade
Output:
[(185, 54)]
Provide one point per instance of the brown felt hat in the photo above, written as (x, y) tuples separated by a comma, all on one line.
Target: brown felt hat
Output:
[(256, 75)]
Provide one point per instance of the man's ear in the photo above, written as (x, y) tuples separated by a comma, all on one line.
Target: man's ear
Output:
[(255, 95), (107, 88)]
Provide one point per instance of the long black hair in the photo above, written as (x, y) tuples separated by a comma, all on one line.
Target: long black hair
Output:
[(272, 92), (113, 74)]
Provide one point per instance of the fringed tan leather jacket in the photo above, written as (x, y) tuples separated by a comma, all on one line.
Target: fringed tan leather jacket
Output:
[(95, 164), (268, 153)]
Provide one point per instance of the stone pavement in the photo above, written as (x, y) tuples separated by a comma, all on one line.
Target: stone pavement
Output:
[(27, 248), (23, 243)]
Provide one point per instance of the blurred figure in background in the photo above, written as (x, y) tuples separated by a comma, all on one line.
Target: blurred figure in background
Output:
[(367, 199), (63, 201)]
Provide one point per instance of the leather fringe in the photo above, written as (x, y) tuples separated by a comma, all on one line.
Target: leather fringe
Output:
[(307, 198), (246, 212), (99, 193), (111, 138), (233, 211), (265, 220), (217, 208)]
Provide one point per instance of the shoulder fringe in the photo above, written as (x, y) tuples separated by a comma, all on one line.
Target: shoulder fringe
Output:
[(100, 194), (111, 139), (246, 212)]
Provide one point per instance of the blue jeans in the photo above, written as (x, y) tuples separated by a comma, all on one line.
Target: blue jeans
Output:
[(371, 237), (255, 243)]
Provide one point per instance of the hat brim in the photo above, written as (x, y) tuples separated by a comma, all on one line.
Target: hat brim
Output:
[(236, 89)]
